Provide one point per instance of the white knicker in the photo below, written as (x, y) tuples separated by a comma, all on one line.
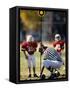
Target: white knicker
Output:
[(50, 63), (31, 59)]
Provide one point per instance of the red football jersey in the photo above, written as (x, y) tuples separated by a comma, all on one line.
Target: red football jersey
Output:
[(60, 45), (30, 47)]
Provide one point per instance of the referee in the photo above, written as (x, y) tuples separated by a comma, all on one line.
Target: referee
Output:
[(51, 59)]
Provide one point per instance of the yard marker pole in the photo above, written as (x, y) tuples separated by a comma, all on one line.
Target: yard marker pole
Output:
[(41, 13)]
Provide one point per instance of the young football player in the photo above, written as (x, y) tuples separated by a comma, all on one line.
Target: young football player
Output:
[(51, 60), (58, 43), (30, 46)]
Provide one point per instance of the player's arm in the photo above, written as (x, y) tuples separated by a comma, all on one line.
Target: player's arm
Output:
[(24, 51), (23, 48), (54, 44), (25, 55), (62, 45)]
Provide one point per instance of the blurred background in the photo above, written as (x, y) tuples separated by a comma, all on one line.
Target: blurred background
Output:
[(50, 23)]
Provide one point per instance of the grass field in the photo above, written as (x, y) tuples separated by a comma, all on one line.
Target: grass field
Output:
[(24, 66)]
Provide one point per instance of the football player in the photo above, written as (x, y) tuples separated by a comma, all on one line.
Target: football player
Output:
[(58, 43), (30, 46)]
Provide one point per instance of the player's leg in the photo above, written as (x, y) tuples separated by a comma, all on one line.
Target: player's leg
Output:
[(29, 65), (50, 65), (44, 64), (34, 65), (34, 71), (42, 70), (29, 71), (47, 64), (55, 65)]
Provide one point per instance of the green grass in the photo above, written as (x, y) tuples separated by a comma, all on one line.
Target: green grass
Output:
[(24, 66)]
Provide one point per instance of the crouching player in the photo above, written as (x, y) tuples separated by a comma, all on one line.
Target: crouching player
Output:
[(51, 60), (29, 48)]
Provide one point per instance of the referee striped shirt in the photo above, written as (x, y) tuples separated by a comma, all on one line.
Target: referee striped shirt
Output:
[(51, 54)]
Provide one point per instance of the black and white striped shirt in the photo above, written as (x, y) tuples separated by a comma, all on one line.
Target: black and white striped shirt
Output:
[(51, 54)]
